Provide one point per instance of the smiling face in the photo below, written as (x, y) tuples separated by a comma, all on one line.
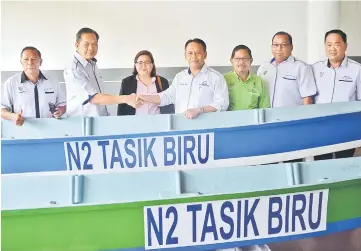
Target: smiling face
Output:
[(241, 61), (195, 55), (144, 65), (87, 47), (335, 47)]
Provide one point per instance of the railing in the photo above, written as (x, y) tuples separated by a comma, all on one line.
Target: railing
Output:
[(82, 126)]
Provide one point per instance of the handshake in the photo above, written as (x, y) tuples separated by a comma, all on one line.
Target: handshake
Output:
[(135, 101), (138, 100)]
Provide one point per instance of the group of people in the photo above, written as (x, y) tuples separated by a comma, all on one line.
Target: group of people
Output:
[(283, 81)]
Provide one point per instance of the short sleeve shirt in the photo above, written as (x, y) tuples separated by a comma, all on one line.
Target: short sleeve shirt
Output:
[(342, 84), (19, 94), (288, 82)]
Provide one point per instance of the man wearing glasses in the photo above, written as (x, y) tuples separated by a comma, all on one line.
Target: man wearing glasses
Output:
[(83, 80), (197, 89), (246, 90), (290, 81)]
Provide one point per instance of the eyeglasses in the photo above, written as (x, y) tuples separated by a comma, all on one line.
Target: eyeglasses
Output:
[(31, 59), (280, 45), (146, 63), (246, 60)]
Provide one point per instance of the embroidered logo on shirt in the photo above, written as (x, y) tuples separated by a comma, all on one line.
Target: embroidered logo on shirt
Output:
[(204, 83), (21, 88), (321, 74), (265, 72)]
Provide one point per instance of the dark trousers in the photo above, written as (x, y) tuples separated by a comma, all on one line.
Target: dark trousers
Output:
[(338, 155)]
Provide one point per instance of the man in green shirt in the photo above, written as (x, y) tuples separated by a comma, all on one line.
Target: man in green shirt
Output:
[(246, 90)]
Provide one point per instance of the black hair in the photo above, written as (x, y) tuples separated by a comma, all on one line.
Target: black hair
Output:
[(283, 33), (149, 54), (86, 30), (241, 47), (198, 41), (339, 32)]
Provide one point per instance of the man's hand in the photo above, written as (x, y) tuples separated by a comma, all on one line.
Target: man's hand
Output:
[(18, 118), (192, 113), (139, 101), (134, 100), (59, 112)]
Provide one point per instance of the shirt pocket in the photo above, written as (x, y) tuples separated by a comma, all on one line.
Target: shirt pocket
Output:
[(50, 96), (346, 86), (183, 92), (253, 100), (205, 89), (289, 84)]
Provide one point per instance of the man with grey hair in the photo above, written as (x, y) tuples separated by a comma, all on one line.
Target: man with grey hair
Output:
[(31, 93), (83, 80)]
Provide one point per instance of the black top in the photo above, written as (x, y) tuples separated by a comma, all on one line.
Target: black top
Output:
[(129, 86)]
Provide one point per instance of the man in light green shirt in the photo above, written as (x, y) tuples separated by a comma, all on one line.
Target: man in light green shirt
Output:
[(246, 90)]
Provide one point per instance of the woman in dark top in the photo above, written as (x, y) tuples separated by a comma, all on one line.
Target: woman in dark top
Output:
[(144, 81)]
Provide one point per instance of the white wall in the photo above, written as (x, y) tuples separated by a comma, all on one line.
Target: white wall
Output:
[(162, 27), (350, 23)]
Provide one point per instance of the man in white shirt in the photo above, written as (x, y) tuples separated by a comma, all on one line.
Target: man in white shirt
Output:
[(30, 93), (197, 89), (338, 79), (83, 80), (290, 81)]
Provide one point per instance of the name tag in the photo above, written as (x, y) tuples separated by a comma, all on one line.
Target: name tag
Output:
[(346, 79), (49, 90), (289, 77)]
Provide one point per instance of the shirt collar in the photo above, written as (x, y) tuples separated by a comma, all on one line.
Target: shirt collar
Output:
[(138, 79), (289, 59), (204, 69), (82, 60), (344, 62), (25, 78), (249, 76)]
